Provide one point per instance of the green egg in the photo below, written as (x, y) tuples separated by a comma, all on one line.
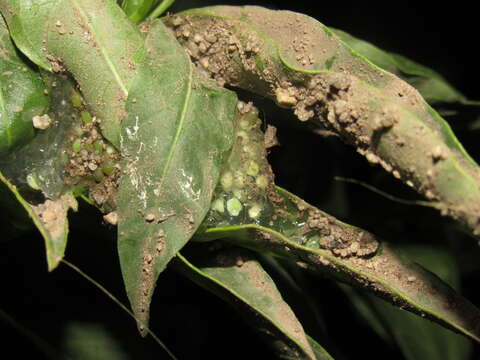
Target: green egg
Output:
[(76, 99), (77, 145), (218, 205), (86, 117), (234, 206)]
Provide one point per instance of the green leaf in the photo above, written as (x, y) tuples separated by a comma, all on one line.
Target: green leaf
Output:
[(178, 129), (40, 166), (417, 337), (21, 96), (93, 40), (50, 218), (302, 65), (353, 256), (433, 87), (137, 10), (285, 226), (235, 276), (160, 9)]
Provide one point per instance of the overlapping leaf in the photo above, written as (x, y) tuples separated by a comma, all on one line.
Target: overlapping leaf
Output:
[(50, 218), (173, 141), (302, 65), (39, 165), (93, 40), (416, 337), (235, 276), (22, 96), (433, 87), (288, 227)]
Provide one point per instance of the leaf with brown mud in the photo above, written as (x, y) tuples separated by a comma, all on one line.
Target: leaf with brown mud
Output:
[(238, 278), (50, 218), (431, 85), (173, 142), (92, 40), (325, 245), (302, 65), (416, 337)]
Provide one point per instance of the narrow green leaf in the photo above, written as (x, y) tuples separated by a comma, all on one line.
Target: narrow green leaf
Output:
[(161, 8), (235, 276), (320, 353), (173, 141), (93, 40), (21, 96), (416, 337), (50, 218), (302, 65), (433, 87)]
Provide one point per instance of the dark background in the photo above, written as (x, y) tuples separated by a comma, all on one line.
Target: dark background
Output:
[(197, 325)]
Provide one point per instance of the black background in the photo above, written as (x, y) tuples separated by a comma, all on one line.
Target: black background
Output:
[(197, 325)]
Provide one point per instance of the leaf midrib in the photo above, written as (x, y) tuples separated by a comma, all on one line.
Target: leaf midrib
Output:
[(183, 113), (104, 54)]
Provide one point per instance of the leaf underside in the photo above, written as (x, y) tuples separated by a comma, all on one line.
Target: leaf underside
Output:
[(173, 141), (235, 276)]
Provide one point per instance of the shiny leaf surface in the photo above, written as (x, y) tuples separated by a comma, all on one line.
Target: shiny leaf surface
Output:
[(22, 96), (83, 38)]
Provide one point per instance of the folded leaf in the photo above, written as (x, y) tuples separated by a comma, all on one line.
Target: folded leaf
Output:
[(22, 96), (302, 65), (254, 214), (50, 218), (433, 87), (93, 40), (356, 257), (173, 141), (235, 276)]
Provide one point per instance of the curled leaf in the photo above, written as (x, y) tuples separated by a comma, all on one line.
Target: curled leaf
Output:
[(302, 65), (50, 218), (289, 227)]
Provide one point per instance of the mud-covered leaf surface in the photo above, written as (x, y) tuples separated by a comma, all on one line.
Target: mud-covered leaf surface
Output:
[(178, 129), (257, 215), (21, 96), (302, 65), (433, 87), (238, 278), (416, 337), (50, 218), (325, 245), (92, 40)]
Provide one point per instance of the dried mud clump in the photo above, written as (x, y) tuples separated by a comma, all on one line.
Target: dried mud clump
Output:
[(52, 214), (308, 70), (93, 162)]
